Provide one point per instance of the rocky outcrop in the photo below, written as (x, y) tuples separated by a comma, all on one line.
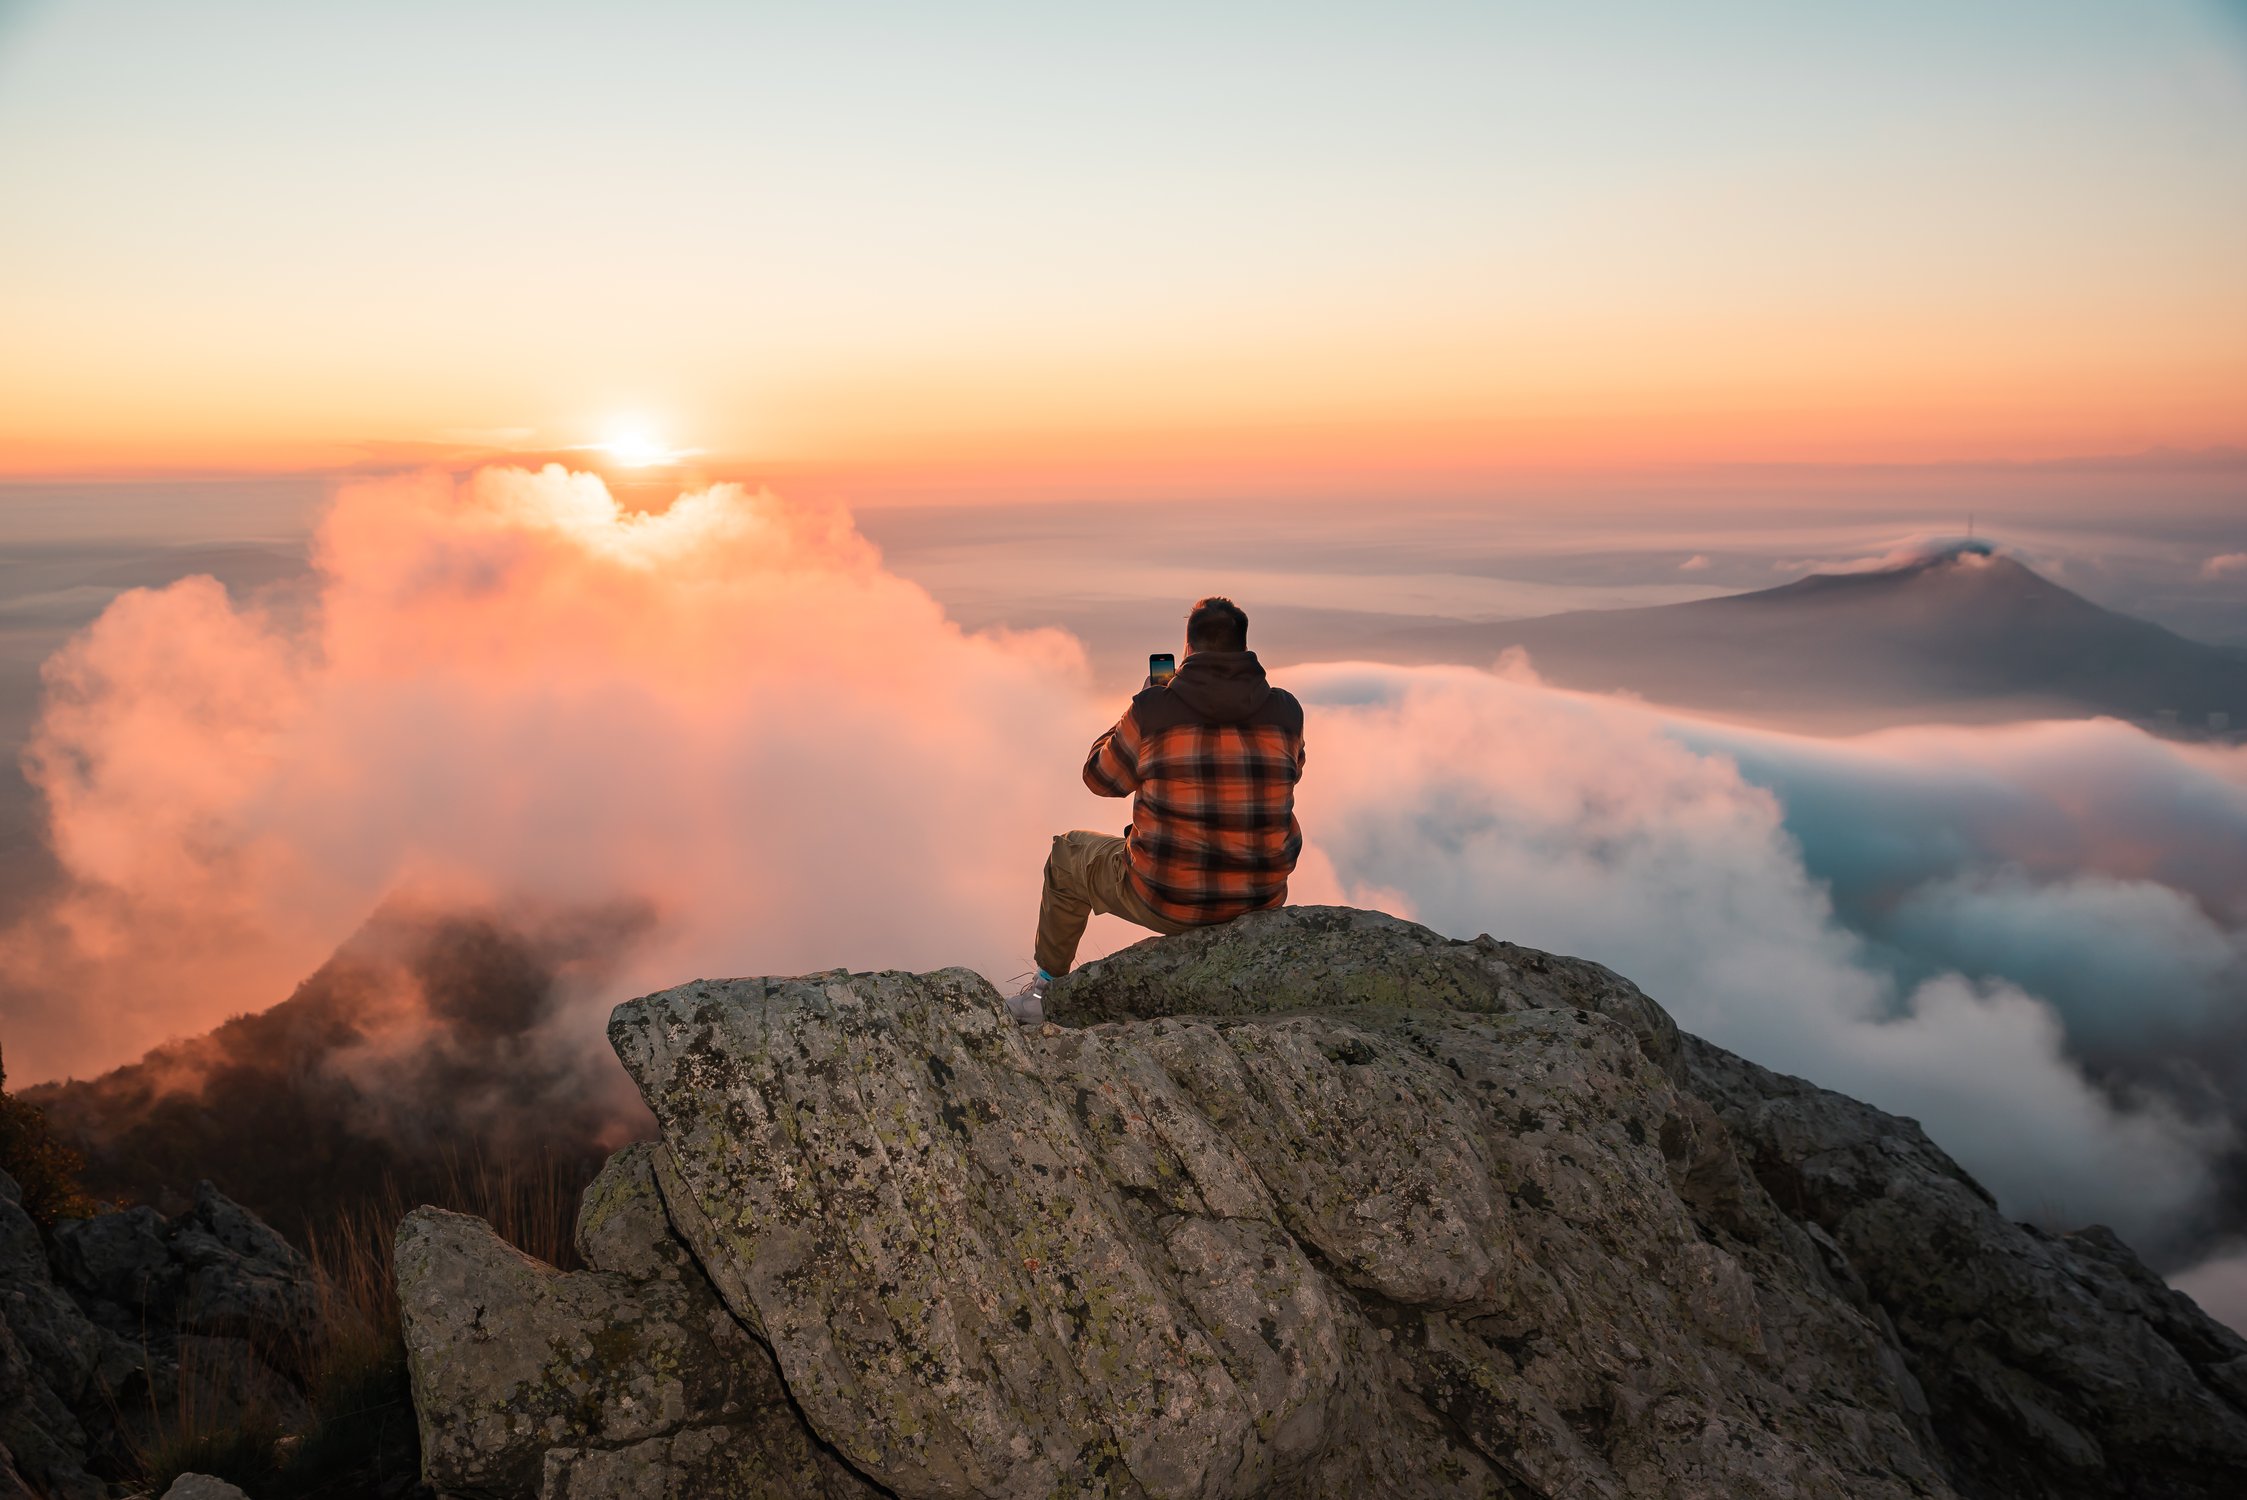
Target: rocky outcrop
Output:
[(1315, 1204), (2059, 1364), (49, 1359), (533, 1381), (216, 1270), (98, 1331)]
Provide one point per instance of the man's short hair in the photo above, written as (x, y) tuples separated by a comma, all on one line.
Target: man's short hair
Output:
[(1216, 624)]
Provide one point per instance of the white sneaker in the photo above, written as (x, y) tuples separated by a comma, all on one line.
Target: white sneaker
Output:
[(1027, 1004)]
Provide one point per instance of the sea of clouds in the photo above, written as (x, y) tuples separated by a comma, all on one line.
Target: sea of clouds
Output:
[(733, 716)]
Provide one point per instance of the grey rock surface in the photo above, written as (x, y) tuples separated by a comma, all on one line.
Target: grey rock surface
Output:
[(1318, 1204), (768, 1455), (622, 1226), (96, 1330), (217, 1269), (49, 1354), (1323, 1239), (2058, 1364), (203, 1487), (1325, 957), (628, 1378), (47, 1445)]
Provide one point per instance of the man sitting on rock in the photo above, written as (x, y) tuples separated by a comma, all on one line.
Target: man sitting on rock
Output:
[(1210, 759)]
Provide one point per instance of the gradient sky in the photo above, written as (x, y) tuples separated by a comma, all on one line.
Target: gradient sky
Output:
[(1223, 239)]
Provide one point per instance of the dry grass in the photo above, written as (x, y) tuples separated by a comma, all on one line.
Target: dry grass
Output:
[(361, 1439), (531, 1204)]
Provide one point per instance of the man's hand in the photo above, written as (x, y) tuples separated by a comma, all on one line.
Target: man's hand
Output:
[(1150, 682)]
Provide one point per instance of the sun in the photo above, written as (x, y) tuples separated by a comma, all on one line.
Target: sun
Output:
[(638, 448), (632, 442)]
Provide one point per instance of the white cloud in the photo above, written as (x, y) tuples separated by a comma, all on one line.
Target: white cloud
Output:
[(1587, 826)]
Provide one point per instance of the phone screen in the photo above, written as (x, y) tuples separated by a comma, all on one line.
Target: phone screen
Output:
[(1162, 666)]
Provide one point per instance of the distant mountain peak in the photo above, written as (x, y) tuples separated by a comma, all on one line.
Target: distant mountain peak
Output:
[(1965, 574), (1924, 554), (1972, 551), (1942, 628)]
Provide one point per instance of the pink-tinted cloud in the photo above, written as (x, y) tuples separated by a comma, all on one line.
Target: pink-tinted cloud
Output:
[(729, 711), (2224, 565)]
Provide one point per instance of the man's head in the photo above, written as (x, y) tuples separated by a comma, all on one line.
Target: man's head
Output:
[(1216, 624)]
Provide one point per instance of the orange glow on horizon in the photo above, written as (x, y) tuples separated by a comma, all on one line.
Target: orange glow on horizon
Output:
[(1629, 388), (1535, 438), (1219, 250)]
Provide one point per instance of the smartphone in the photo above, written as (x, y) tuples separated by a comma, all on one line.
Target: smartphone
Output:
[(1162, 666)]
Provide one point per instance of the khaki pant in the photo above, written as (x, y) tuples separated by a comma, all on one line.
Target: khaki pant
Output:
[(1085, 873)]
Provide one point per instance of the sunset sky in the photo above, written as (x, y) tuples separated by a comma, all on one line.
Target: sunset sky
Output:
[(702, 473), (1235, 243)]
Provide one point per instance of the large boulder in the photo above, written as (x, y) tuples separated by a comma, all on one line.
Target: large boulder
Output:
[(1436, 1249), (1316, 1204)]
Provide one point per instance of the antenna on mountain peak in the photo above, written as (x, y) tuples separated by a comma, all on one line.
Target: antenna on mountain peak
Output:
[(1969, 526)]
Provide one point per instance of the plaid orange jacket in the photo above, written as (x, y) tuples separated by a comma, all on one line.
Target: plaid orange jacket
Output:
[(1211, 763)]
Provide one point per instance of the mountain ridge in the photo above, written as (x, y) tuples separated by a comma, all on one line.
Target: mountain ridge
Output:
[(408, 1057), (1966, 632)]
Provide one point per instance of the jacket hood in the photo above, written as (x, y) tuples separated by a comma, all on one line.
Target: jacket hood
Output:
[(1223, 687)]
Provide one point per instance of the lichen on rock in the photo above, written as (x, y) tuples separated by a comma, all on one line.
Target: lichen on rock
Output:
[(1226, 1253), (512, 1360), (1318, 1204)]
